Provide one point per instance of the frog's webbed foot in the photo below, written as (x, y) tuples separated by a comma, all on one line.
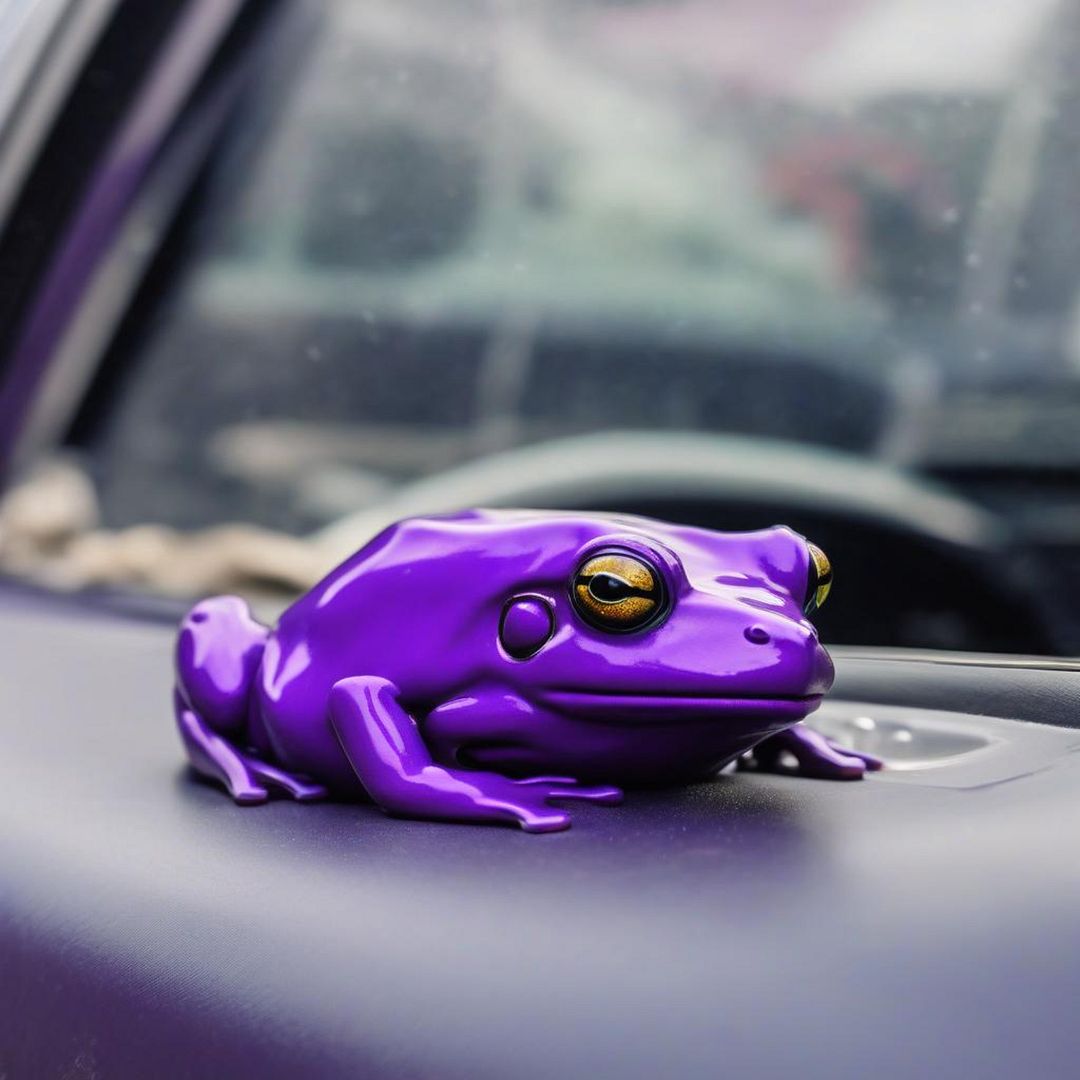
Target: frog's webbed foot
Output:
[(527, 803), (246, 778), (388, 755), (814, 755)]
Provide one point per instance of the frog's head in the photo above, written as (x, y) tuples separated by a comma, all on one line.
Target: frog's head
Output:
[(644, 622)]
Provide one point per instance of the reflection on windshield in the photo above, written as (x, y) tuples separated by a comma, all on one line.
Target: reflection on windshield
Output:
[(441, 229), (438, 231)]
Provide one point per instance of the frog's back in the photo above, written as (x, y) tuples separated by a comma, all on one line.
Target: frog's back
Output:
[(418, 605), (415, 605)]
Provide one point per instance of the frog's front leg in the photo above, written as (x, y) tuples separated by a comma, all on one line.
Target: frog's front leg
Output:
[(388, 755), (814, 754)]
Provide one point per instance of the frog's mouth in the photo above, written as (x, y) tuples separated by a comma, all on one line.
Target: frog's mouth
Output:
[(622, 707)]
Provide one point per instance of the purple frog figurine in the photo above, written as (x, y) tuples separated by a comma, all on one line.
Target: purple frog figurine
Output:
[(485, 665)]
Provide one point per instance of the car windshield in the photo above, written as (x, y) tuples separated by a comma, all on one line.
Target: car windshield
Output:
[(440, 233)]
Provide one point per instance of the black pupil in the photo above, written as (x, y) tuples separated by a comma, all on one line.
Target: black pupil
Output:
[(609, 589)]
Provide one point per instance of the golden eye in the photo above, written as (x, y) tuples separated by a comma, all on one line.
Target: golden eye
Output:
[(617, 592), (819, 580)]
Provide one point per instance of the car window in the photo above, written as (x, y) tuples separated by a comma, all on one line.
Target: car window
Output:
[(435, 231), (438, 229)]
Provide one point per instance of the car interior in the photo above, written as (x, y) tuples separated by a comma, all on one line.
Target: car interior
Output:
[(276, 274)]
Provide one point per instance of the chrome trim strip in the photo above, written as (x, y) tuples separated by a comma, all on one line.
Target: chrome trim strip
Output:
[(43, 46), (105, 206), (933, 656)]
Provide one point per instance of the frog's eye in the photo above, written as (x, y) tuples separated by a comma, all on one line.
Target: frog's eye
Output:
[(819, 581), (614, 591)]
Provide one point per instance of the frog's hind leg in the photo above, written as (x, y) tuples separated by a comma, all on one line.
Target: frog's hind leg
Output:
[(218, 655), (245, 776)]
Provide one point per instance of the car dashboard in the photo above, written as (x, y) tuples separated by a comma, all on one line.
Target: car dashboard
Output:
[(920, 922)]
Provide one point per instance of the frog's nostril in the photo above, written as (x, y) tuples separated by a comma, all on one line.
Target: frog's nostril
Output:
[(757, 635)]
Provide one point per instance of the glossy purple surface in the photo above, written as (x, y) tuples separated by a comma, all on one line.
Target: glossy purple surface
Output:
[(451, 669)]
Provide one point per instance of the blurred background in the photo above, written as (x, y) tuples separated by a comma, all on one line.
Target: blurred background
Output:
[(730, 262)]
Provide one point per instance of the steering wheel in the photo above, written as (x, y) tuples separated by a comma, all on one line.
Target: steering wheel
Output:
[(916, 566)]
